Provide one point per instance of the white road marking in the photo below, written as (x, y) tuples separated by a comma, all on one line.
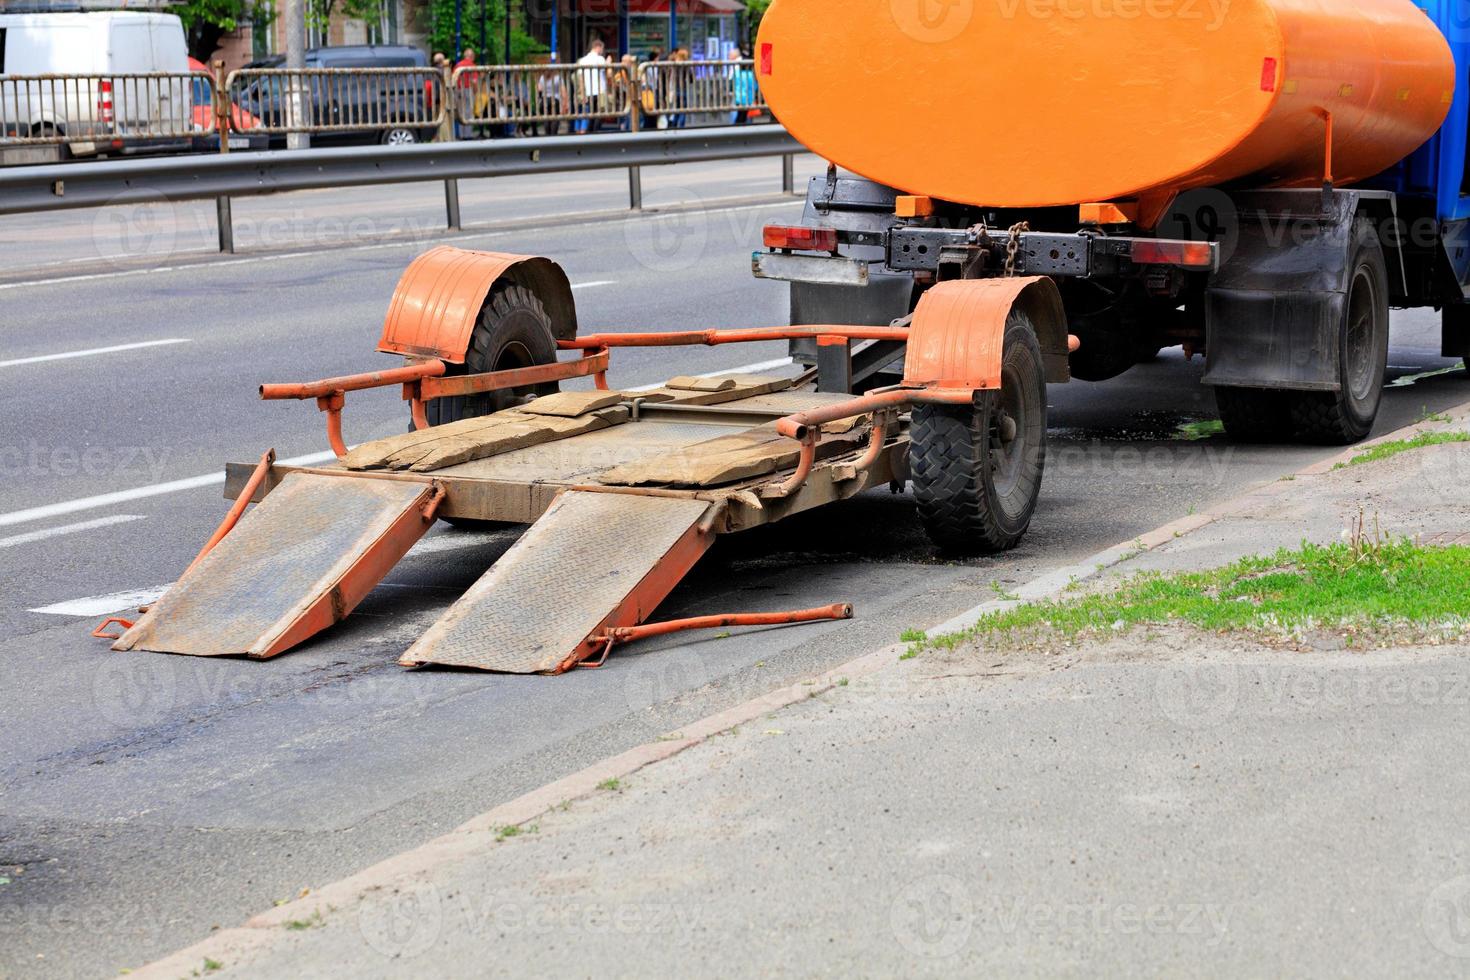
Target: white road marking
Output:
[(137, 493), (593, 283), (93, 351), (101, 605), (56, 532)]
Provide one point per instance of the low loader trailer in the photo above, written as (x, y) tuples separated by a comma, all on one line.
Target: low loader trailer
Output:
[(625, 490)]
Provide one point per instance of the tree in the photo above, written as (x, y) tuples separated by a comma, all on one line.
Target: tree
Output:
[(206, 22), (754, 11), (523, 47)]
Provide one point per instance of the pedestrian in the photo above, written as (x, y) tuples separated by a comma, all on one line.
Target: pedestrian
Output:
[(551, 96), (743, 89), (624, 86), (591, 84), (652, 97), (680, 78), (467, 84)]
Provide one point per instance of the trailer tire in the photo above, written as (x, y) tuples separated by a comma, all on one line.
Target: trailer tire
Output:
[(514, 331), (976, 475), (1347, 416), (1255, 414)]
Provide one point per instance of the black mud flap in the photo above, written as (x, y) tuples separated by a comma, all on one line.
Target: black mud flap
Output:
[(1274, 309)]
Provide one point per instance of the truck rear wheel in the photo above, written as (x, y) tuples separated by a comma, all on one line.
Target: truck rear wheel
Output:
[(977, 470), (514, 332), (1347, 416), (1255, 414)]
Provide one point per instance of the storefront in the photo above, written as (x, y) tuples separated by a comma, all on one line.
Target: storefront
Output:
[(708, 28)]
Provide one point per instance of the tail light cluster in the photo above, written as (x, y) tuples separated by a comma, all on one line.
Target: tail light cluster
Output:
[(801, 239)]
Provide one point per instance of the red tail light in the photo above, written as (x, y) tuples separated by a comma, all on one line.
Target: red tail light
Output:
[(1190, 255), (801, 239), (104, 102)]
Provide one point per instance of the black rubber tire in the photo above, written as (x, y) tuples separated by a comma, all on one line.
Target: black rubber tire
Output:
[(514, 331), (1255, 414), (977, 490), (1339, 418)]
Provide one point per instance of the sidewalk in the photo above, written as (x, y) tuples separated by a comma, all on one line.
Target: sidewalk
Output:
[(1166, 801)]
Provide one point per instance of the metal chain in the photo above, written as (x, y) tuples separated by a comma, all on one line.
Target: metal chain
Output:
[(1013, 245)]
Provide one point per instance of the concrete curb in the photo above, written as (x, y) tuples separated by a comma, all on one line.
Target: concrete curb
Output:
[(418, 864)]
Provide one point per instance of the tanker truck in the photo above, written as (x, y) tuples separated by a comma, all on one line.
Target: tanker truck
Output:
[(1257, 181)]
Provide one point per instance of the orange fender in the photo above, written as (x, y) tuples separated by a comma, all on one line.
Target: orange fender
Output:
[(955, 340), (438, 301)]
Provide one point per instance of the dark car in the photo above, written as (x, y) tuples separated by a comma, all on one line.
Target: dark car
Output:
[(389, 109)]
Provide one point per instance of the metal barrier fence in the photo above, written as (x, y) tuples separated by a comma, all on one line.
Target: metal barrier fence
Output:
[(327, 100), (395, 105), (683, 88), (41, 109), (531, 94)]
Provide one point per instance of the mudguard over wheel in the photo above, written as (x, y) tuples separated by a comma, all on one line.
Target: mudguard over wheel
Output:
[(977, 471), (1347, 416), (513, 331)]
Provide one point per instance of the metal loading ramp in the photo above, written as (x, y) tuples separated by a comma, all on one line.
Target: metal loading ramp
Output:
[(594, 561), (300, 561)]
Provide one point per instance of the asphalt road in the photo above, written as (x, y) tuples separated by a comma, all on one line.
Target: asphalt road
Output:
[(145, 799)]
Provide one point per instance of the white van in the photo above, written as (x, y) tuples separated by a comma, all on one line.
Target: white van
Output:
[(111, 48)]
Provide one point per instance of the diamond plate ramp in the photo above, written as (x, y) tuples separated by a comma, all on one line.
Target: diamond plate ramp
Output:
[(594, 560), (299, 562)]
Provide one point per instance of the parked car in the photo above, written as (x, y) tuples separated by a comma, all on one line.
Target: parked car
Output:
[(97, 114), (241, 122), (386, 107)]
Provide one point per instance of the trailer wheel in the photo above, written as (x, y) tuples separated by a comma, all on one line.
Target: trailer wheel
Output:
[(1347, 416), (514, 331), (977, 471), (1254, 414)]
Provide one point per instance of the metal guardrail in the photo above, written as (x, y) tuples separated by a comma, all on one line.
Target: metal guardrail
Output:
[(223, 176), (328, 100), (55, 109)]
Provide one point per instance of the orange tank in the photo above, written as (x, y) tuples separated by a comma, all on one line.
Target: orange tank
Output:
[(1028, 103)]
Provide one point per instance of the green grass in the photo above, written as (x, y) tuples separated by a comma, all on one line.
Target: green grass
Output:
[(610, 785), (1384, 450), (310, 922), (1195, 431), (1361, 584), (513, 830)]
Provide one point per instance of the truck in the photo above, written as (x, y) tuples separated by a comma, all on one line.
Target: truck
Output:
[(1258, 182), (1034, 191), (95, 77)]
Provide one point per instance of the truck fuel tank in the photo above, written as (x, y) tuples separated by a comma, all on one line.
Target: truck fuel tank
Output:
[(1030, 103)]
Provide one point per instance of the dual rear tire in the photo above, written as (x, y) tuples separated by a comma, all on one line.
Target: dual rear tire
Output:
[(1337, 417)]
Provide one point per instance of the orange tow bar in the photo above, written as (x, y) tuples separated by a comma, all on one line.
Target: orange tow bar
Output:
[(630, 634)]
